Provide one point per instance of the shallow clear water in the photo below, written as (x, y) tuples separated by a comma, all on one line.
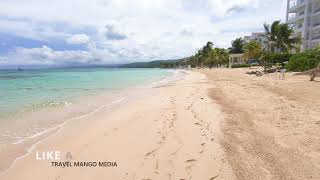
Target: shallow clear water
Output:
[(32, 89), (36, 103)]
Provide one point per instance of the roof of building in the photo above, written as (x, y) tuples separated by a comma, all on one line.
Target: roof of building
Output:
[(236, 55)]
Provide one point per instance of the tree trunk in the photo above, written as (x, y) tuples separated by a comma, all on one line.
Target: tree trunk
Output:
[(315, 72)]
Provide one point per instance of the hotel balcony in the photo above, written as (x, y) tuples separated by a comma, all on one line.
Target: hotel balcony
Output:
[(298, 30), (296, 18), (296, 6), (316, 12), (316, 26), (315, 39), (316, 20)]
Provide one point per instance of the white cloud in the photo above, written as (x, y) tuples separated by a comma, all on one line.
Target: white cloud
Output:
[(3, 60), (127, 30), (187, 31), (222, 7), (113, 31), (78, 39), (47, 56)]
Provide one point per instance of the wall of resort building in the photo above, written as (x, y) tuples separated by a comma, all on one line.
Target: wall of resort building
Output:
[(259, 37), (236, 59), (304, 15)]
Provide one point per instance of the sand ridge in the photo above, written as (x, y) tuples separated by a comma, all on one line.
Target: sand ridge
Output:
[(271, 130)]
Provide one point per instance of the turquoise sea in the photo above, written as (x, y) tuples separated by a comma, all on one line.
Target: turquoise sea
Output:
[(29, 89), (36, 103)]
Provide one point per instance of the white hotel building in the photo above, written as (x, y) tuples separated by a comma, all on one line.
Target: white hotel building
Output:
[(304, 15)]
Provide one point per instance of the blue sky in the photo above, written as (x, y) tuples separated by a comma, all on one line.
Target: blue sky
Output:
[(60, 32)]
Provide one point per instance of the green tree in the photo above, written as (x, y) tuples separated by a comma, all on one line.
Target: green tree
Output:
[(209, 56), (252, 50), (204, 54), (222, 56), (217, 57), (281, 37), (267, 60), (198, 57), (304, 61), (237, 46)]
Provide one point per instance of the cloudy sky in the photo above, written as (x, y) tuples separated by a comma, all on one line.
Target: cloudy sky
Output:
[(76, 32)]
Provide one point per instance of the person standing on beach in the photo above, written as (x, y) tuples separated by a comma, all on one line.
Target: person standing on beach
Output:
[(282, 73)]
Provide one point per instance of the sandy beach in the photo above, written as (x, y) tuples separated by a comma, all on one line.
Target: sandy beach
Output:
[(272, 127), (170, 133), (218, 124)]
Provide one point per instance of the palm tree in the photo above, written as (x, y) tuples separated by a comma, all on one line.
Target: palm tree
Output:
[(271, 33), (280, 37), (211, 59), (209, 56), (217, 57), (207, 49), (223, 56), (237, 46), (199, 57)]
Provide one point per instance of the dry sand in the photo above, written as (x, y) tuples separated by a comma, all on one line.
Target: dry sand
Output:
[(272, 127), (170, 133), (218, 124)]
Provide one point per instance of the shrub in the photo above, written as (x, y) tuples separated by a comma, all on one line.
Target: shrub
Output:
[(269, 59), (304, 61), (240, 65), (282, 58)]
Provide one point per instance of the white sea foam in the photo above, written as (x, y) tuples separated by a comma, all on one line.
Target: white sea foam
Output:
[(45, 131), (58, 128), (167, 81)]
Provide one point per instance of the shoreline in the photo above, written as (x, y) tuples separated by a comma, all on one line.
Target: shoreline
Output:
[(213, 124), (142, 134), (53, 131), (26, 144)]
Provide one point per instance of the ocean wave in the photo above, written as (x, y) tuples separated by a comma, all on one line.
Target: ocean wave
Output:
[(38, 132), (53, 103), (167, 81), (9, 77)]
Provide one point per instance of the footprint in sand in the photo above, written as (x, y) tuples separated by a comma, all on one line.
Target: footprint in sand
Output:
[(156, 169), (151, 152), (191, 160), (214, 177)]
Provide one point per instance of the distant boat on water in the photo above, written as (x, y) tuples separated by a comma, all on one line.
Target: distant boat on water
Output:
[(19, 69)]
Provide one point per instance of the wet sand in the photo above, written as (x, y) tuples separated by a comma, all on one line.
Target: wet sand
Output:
[(172, 132), (218, 124)]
